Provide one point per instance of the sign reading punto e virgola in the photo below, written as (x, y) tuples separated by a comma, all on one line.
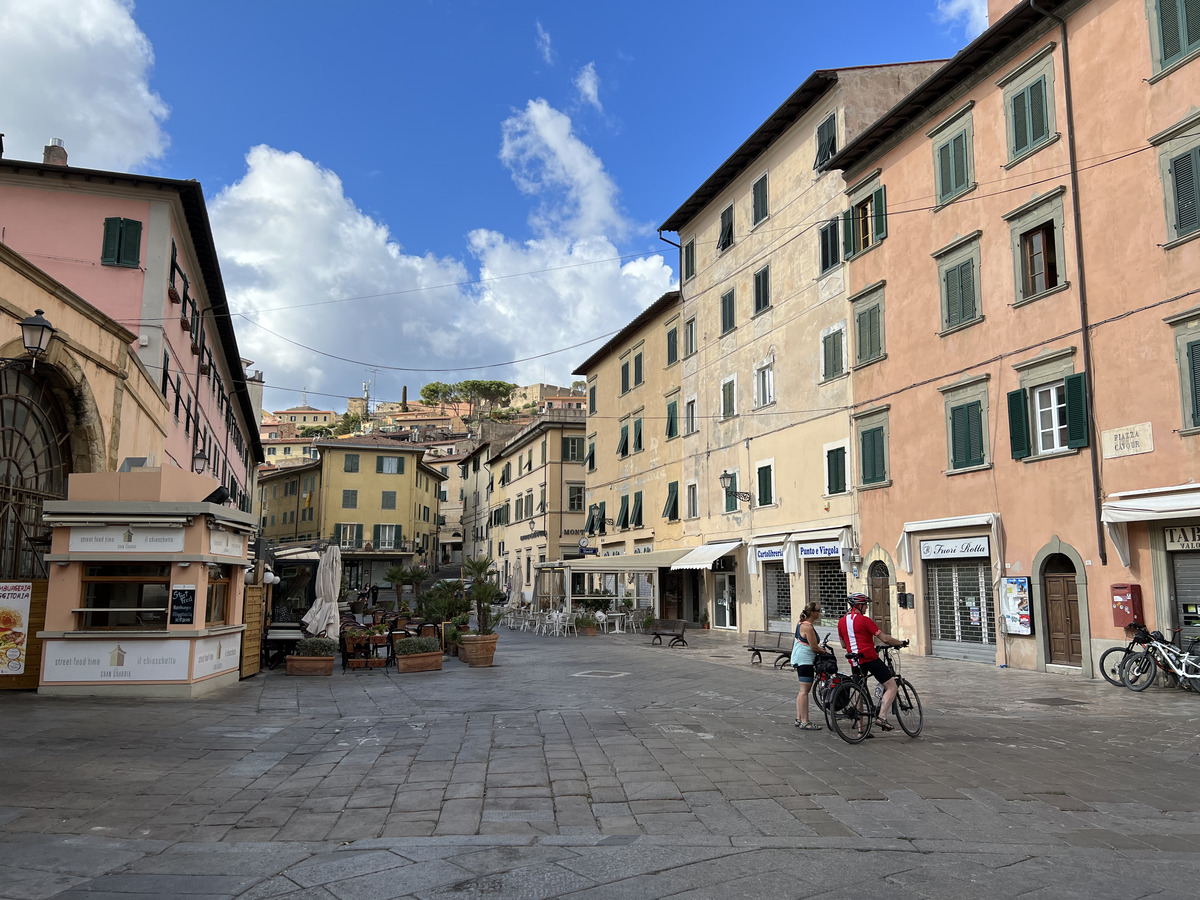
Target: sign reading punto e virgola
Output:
[(950, 547)]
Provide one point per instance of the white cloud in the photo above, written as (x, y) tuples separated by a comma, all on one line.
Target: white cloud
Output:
[(587, 82), (543, 44), (972, 13), (88, 65)]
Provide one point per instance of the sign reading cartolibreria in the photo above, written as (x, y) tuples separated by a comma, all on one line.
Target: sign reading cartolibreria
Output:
[(948, 548), (125, 539), (14, 625)]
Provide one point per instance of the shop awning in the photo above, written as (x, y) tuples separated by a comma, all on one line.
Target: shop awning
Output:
[(626, 562), (843, 534), (990, 520), (704, 557), (1121, 508)]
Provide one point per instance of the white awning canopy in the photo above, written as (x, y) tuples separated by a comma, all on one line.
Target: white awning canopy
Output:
[(704, 557), (1175, 502), (990, 520), (626, 562)]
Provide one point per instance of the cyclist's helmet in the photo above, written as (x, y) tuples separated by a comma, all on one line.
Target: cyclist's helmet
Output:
[(858, 601)]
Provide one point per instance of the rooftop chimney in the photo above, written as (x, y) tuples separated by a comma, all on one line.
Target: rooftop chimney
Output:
[(54, 154)]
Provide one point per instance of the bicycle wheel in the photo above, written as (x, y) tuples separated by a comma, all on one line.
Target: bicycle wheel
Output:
[(1110, 664), (850, 708), (820, 693), (907, 708), (1138, 671)]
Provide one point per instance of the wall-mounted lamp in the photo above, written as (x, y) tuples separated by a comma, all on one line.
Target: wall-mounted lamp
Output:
[(35, 335), (184, 565), (594, 513), (199, 461), (727, 485)]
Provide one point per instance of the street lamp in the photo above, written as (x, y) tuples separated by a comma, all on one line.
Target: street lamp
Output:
[(727, 485), (35, 335), (199, 461), (594, 513)]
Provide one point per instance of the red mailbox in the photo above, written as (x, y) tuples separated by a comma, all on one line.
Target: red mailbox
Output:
[(1127, 604)]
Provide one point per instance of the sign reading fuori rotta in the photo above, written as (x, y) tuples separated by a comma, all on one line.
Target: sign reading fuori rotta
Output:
[(948, 548), (183, 604)]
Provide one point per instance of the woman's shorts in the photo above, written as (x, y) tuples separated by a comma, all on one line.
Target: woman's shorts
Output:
[(804, 673)]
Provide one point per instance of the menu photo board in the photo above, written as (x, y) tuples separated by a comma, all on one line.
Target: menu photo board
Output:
[(183, 604), (15, 597)]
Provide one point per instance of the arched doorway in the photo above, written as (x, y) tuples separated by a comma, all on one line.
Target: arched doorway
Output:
[(35, 460), (1062, 611), (881, 601)]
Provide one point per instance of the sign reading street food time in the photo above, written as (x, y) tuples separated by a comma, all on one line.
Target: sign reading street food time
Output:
[(125, 539)]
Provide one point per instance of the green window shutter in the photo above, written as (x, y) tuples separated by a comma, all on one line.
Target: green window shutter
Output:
[(131, 243), (337, 533), (623, 515), (637, 435), (112, 242), (400, 467), (671, 509), (1038, 124), (1077, 419), (764, 486), (880, 209), (945, 173), (565, 449), (601, 516), (635, 518), (1019, 438), (1019, 110), (958, 149), (975, 434), (958, 437), (623, 444), (375, 537), (868, 334), (1183, 180), (378, 464), (358, 535), (731, 501), (966, 287), (1193, 357), (873, 467), (953, 297), (848, 234), (672, 419), (835, 461), (1168, 30)]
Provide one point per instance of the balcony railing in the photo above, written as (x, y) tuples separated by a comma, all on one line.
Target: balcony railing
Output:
[(369, 546)]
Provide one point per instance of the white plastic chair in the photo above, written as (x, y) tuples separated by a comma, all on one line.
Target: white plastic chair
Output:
[(568, 626)]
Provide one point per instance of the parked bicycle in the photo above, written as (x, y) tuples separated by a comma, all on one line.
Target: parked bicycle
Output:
[(826, 679), (1180, 667), (1112, 658), (853, 709)]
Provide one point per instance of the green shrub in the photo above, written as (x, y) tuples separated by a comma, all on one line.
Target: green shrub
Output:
[(409, 646), (316, 646)]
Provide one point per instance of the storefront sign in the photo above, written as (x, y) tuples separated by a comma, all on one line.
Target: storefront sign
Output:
[(768, 554), (183, 604), (225, 543), (216, 654), (951, 547), (1128, 441), (14, 625), (529, 536), (115, 660), (1185, 538), (823, 550), (125, 539)]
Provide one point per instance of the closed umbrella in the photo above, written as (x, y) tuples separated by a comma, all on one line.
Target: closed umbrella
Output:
[(322, 619)]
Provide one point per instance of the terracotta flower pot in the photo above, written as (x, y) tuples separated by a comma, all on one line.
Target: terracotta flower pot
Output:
[(310, 665), (478, 650), (586, 630), (419, 662)]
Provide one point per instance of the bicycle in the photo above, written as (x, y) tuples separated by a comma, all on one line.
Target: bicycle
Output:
[(853, 709), (1112, 658), (826, 679), (1140, 669)]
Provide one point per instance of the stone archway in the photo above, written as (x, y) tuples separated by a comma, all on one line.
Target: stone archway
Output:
[(1056, 547)]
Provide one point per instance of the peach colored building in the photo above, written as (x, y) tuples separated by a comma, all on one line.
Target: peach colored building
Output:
[(1023, 284), (139, 249)]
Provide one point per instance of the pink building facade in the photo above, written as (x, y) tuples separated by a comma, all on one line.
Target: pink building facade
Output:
[(140, 249), (1025, 293)]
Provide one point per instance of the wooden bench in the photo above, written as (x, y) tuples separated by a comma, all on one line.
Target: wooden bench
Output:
[(672, 628), (777, 642)]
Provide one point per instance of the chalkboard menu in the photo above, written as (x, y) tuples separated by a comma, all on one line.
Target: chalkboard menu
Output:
[(183, 604)]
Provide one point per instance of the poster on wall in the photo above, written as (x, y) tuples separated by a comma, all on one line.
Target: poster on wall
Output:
[(1014, 606), (14, 625)]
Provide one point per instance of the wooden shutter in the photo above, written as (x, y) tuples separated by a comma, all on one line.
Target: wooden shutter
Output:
[(637, 435), (1183, 179), (880, 209), (1193, 358), (835, 461), (764, 486), (1019, 110), (873, 468), (112, 242), (635, 518), (600, 517), (1168, 30), (958, 150), (731, 500), (672, 419), (1019, 438), (623, 444), (375, 537), (945, 172), (959, 438), (131, 243), (953, 296), (378, 465), (1077, 419), (1191, 24), (848, 233), (671, 509), (1038, 121)]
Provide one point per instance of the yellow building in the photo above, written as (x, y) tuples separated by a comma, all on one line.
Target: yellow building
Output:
[(288, 503)]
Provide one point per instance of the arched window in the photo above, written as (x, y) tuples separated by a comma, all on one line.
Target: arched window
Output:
[(35, 461)]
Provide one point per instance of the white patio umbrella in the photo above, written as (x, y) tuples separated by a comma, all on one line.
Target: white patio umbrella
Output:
[(322, 618)]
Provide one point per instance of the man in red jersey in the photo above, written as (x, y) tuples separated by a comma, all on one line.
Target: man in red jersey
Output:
[(858, 634)]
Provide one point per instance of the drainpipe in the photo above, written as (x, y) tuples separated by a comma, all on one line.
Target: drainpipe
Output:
[(1085, 330)]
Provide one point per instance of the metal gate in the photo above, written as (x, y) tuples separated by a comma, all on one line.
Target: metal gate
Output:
[(962, 616), (777, 595), (1186, 569), (826, 583)]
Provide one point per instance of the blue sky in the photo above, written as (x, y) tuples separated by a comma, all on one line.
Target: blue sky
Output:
[(486, 177)]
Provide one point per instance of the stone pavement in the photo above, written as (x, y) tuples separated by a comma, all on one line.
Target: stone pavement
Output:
[(594, 768)]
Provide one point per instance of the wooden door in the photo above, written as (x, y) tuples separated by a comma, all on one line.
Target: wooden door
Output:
[(881, 601), (252, 615), (1062, 615)]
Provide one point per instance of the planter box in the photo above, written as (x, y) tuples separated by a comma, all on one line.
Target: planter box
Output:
[(379, 663), (310, 665), (419, 662), (378, 639), (586, 630), (478, 650), (356, 663)]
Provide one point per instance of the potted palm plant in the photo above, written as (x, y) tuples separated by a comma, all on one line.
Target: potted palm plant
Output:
[(479, 647), (313, 656), (418, 654)]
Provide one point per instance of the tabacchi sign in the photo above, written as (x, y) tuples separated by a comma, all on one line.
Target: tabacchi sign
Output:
[(1185, 538)]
